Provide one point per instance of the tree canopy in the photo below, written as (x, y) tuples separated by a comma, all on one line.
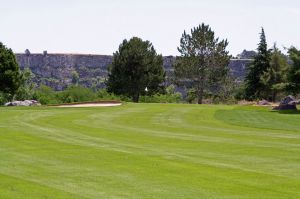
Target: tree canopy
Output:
[(274, 78), (294, 71), (135, 67), (254, 87), (204, 60), (10, 76)]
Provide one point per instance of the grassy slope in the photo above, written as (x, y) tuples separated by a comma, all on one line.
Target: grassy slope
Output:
[(149, 151)]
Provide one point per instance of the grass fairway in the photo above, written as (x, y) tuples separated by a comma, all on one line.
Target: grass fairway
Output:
[(143, 151)]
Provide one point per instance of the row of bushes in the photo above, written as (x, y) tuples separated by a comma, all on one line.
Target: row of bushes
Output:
[(46, 96), (75, 93)]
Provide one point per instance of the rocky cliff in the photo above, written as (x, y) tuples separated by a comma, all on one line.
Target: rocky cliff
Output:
[(55, 70)]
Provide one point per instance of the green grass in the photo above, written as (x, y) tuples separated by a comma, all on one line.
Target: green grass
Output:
[(139, 151)]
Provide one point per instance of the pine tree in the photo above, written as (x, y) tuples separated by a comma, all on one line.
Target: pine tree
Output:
[(204, 60), (254, 87), (136, 66), (274, 79), (294, 71)]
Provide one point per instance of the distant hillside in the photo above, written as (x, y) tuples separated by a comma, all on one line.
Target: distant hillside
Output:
[(55, 70)]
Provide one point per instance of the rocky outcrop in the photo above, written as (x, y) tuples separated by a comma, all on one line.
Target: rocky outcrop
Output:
[(247, 54), (288, 103), (237, 68), (263, 103), (55, 70)]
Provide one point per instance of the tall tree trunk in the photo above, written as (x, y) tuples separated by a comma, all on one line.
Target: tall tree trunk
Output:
[(200, 91), (136, 97), (200, 88), (274, 95), (200, 95)]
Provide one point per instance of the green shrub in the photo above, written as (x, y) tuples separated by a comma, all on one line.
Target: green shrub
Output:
[(45, 95), (161, 98), (76, 94), (169, 96), (3, 98), (26, 89), (191, 96), (104, 95)]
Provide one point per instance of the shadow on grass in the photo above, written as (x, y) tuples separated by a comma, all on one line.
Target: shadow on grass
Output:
[(290, 112)]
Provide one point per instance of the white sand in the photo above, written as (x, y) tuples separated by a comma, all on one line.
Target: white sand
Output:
[(91, 105)]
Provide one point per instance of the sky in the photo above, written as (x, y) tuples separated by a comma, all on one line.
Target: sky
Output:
[(99, 26)]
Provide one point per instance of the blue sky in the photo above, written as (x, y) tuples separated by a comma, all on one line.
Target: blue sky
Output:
[(99, 26)]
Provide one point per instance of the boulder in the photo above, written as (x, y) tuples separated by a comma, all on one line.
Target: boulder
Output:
[(23, 103), (263, 103), (287, 99), (288, 103), (297, 102)]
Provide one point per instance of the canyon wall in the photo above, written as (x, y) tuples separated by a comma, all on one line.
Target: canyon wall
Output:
[(55, 70)]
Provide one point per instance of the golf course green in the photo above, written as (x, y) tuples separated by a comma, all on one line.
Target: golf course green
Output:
[(149, 151)]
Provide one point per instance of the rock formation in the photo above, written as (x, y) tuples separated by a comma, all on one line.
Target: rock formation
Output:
[(55, 70), (263, 103), (288, 103), (23, 103)]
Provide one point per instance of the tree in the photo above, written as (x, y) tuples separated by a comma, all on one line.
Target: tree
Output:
[(135, 66), (76, 94), (27, 86), (45, 95), (204, 60), (294, 71), (10, 77), (75, 77), (274, 78), (254, 88)]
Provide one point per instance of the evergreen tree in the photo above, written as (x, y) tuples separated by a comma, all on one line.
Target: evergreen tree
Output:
[(294, 71), (135, 67), (10, 77), (274, 78), (204, 60), (254, 88), (75, 77), (26, 89)]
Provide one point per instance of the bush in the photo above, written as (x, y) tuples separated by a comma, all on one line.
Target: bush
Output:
[(3, 98), (104, 95), (26, 89), (191, 96), (76, 94), (169, 96), (45, 95), (161, 98)]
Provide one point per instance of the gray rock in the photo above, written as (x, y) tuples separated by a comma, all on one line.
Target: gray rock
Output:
[(23, 103), (296, 102), (263, 103), (287, 99), (288, 103)]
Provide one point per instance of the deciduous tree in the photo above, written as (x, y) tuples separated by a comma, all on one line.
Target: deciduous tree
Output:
[(10, 77)]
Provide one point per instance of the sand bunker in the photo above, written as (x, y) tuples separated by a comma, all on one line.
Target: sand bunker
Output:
[(99, 104)]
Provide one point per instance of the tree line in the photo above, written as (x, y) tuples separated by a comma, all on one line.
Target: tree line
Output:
[(137, 74), (272, 73)]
